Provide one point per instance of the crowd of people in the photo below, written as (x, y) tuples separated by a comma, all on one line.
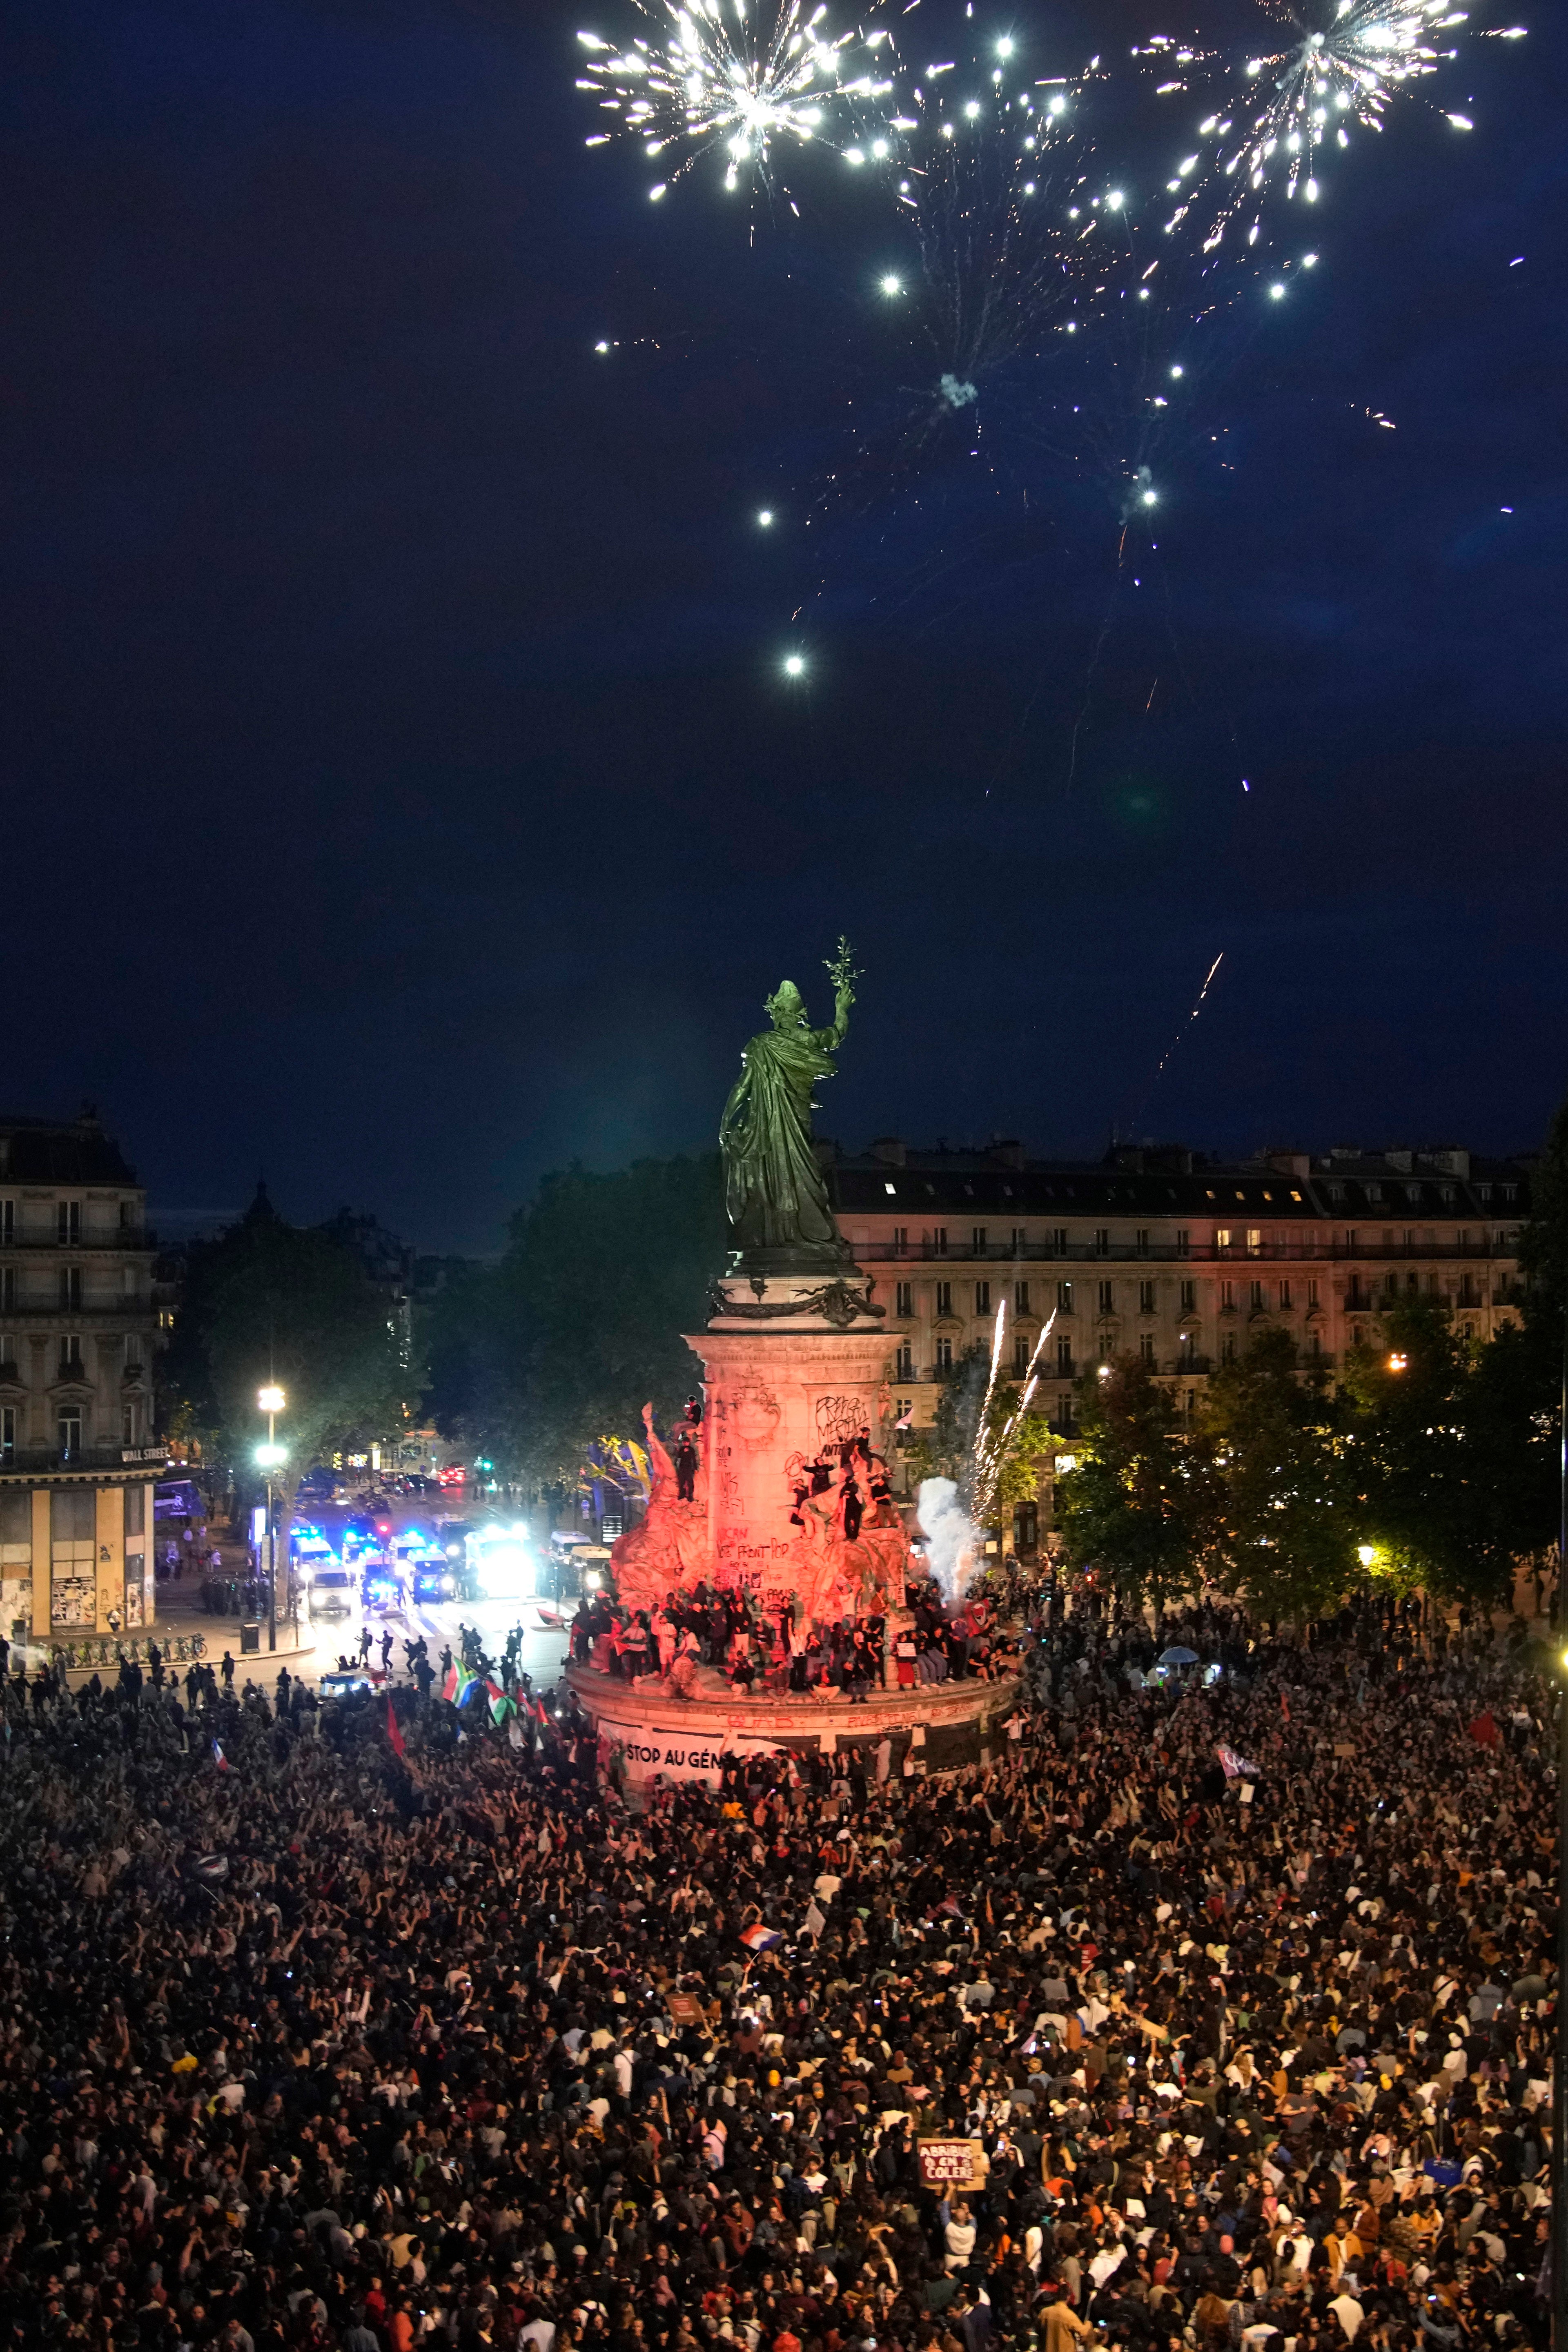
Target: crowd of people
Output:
[(783, 1651), (365, 2024)]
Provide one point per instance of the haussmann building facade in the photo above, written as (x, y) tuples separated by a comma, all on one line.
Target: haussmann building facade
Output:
[(77, 1329), (1159, 1253)]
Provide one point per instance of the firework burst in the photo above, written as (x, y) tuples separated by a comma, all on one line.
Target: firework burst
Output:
[(1297, 105), (1013, 241), (720, 77)]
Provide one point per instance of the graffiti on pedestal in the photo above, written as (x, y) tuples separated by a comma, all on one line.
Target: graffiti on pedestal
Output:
[(839, 1419), (754, 1414)]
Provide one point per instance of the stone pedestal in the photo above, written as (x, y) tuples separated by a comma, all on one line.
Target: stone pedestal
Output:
[(795, 1368), (780, 1394), (944, 1726)]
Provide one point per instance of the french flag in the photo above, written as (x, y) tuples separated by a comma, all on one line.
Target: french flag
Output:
[(220, 1759), (758, 1938)]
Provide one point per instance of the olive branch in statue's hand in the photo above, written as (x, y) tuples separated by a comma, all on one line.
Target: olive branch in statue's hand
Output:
[(840, 970)]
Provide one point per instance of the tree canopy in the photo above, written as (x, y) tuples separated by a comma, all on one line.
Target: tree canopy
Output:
[(560, 1345), (1281, 1532), (271, 1302), (1138, 1503)]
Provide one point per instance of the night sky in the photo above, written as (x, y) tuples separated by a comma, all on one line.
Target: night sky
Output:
[(402, 795)]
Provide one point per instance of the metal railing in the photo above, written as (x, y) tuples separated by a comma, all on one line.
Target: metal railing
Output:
[(1319, 1249), (82, 1245), (124, 1310), (1165, 1367)]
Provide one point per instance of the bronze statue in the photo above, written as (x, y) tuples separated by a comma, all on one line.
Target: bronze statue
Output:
[(781, 1220)]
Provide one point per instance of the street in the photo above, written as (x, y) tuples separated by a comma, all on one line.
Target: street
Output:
[(336, 1630), (543, 1652), (330, 1623)]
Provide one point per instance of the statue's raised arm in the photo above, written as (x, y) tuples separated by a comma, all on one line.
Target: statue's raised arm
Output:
[(781, 1220), (841, 970)]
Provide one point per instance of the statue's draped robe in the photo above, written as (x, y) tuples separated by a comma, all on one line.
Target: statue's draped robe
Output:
[(773, 1188)]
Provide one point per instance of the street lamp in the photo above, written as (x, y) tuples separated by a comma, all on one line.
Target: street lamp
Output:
[(1397, 1363), (271, 1456)]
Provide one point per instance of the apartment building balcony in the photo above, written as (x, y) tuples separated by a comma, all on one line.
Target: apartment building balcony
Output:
[(136, 1312), (1317, 1247), (117, 1239)]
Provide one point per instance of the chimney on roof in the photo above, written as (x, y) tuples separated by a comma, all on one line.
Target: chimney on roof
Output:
[(1289, 1163), (1009, 1153), (1448, 1159), (891, 1149)]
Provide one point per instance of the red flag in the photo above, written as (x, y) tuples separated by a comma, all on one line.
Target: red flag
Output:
[(393, 1733), (1484, 1731)]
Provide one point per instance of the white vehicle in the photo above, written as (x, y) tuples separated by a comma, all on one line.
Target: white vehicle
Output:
[(311, 1554), (579, 1568), (503, 1564), (332, 1590)]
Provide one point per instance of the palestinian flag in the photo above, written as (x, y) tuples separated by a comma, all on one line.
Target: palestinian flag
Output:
[(394, 1735), (501, 1704)]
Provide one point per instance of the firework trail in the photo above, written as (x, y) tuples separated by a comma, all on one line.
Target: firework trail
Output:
[(990, 1449), (1176, 1040)]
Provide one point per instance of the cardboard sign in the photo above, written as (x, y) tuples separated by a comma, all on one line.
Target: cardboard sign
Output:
[(952, 2164), (684, 2007)]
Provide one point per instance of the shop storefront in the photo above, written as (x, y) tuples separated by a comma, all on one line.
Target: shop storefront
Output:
[(76, 1555)]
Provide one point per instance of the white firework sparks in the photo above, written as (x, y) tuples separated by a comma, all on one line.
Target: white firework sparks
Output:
[(1301, 103), (719, 76)]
